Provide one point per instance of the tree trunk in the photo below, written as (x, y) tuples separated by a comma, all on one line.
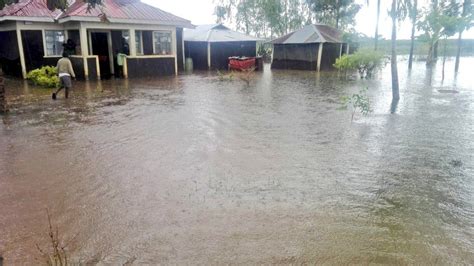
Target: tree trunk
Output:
[(395, 88), (377, 26), (444, 57), (413, 27), (458, 52), (435, 50), (429, 59)]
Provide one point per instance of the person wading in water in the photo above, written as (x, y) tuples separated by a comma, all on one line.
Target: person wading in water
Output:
[(65, 72)]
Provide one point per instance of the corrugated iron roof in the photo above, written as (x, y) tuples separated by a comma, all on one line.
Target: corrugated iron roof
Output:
[(124, 11), (317, 33), (119, 11), (215, 33), (29, 8)]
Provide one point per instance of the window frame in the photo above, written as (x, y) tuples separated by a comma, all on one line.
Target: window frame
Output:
[(45, 42), (140, 32), (172, 52)]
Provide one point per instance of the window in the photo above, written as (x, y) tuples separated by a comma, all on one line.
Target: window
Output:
[(125, 35), (54, 42), (138, 42), (162, 42), (125, 42)]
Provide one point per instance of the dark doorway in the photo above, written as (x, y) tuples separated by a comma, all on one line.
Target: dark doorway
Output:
[(32, 48), (100, 48)]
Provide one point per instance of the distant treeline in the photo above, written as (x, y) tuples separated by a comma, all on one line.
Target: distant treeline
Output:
[(421, 48)]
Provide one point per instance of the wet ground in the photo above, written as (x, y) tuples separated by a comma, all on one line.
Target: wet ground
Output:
[(192, 170)]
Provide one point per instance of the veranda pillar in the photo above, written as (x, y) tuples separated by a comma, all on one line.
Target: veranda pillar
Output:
[(209, 55), (84, 50), (320, 55), (21, 52)]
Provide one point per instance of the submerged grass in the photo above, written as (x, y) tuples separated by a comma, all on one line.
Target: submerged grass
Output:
[(56, 255)]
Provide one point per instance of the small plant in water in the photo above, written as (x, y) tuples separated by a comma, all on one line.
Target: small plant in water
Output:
[(57, 256), (225, 77), (247, 75), (358, 102)]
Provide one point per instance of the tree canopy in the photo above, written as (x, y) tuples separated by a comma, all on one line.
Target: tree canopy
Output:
[(340, 13), (263, 18)]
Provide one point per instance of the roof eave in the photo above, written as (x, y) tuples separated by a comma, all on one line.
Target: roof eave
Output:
[(78, 18), (31, 19), (207, 41), (183, 24), (127, 21)]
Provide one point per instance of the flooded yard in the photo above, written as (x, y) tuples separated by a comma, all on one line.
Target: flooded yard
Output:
[(192, 170)]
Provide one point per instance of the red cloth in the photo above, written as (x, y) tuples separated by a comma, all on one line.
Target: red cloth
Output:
[(241, 64)]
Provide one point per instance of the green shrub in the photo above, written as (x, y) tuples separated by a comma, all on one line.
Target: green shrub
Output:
[(358, 102), (46, 76), (265, 53), (365, 62)]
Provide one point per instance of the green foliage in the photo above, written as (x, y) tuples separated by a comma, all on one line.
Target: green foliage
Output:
[(365, 62), (358, 102), (440, 20), (46, 76), (340, 14), (263, 18), (3, 3), (225, 77), (265, 53)]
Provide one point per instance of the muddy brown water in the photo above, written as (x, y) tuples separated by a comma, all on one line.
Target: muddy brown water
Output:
[(191, 170)]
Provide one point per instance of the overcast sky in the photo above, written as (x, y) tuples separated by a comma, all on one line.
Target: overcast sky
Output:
[(201, 12)]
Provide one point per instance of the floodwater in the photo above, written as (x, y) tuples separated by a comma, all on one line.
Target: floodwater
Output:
[(192, 170)]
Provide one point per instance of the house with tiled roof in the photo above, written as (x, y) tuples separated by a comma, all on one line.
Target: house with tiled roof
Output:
[(150, 38)]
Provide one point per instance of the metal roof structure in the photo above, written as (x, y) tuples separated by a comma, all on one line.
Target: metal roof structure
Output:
[(34, 10), (122, 11), (215, 33), (313, 33), (113, 11)]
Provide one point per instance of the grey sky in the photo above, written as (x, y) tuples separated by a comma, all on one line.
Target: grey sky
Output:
[(201, 12)]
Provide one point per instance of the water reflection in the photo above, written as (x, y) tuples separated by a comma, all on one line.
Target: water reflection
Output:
[(190, 170)]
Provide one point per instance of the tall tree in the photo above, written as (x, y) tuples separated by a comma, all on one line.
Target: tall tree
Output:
[(467, 17), (437, 22), (413, 14), (451, 21), (398, 12), (431, 27), (263, 17), (393, 60), (376, 36), (435, 4), (338, 13)]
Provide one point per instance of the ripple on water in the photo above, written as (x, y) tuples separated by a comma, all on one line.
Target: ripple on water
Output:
[(192, 170)]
